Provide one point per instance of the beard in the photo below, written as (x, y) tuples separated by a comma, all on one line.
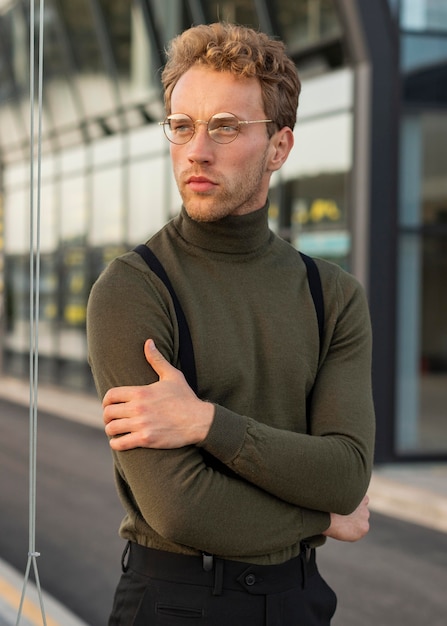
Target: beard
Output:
[(244, 192)]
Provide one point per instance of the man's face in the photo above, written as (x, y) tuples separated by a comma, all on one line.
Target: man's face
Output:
[(216, 180)]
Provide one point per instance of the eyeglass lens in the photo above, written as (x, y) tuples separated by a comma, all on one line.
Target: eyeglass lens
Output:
[(222, 127)]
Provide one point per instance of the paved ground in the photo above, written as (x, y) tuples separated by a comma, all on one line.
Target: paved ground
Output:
[(11, 588)]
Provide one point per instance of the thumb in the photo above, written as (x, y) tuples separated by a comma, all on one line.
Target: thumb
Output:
[(156, 360)]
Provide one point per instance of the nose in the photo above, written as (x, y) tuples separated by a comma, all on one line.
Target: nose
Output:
[(200, 146)]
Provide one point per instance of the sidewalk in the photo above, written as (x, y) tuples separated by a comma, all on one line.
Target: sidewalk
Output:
[(415, 493), (11, 586), (81, 408)]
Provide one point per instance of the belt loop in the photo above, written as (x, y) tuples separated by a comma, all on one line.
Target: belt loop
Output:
[(124, 563), (305, 556), (207, 561), (218, 577)]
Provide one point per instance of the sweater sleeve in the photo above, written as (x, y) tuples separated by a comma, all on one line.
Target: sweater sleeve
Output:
[(174, 491), (330, 466)]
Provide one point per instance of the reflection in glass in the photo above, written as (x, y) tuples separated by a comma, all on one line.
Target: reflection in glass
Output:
[(146, 213), (422, 297), (434, 165), (320, 217), (107, 208), (73, 293), (422, 53), (17, 221), (61, 95), (73, 208), (93, 79), (48, 219), (424, 14), (235, 11), (14, 75), (17, 314), (306, 22)]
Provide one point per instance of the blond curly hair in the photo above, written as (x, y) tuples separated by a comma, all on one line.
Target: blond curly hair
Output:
[(226, 47)]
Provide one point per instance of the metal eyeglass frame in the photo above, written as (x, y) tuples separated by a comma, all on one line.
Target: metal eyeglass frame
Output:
[(211, 133)]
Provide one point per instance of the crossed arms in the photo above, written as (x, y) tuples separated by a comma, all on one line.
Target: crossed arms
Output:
[(167, 415), (286, 486)]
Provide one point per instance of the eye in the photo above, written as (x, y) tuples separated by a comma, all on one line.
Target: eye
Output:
[(181, 126), (225, 125)]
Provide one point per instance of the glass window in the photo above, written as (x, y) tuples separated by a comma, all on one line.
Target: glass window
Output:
[(422, 297), (320, 217), (61, 96), (301, 23), (131, 51), (14, 77), (117, 18), (48, 219), (424, 14), (107, 222), (12, 132), (314, 209), (73, 286), (17, 313), (420, 52), (15, 45), (7, 89), (17, 221), (139, 83), (306, 22), (236, 11), (94, 83), (49, 306), (147, 203), (73, 208), (73, 292)]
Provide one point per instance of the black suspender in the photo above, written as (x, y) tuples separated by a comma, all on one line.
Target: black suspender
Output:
[(186, 350), (316, 291)]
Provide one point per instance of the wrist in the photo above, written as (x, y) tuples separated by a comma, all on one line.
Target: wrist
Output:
[(329, 529), (205, 417)]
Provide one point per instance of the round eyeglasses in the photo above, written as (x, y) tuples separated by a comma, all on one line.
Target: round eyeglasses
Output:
[(179, 128)]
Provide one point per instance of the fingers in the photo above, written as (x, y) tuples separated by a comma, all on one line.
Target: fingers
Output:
[(126, 433), (350, 527), (125, 402), (121, 402), (126, 442), (117, 426), (140, 416), (363, 516), (118, 395), (157, 361)]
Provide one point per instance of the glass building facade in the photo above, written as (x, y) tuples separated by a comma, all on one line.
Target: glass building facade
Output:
[(421, 406), (107, 185)]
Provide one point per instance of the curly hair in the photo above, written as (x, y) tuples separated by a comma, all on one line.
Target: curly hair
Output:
[(226, 47)]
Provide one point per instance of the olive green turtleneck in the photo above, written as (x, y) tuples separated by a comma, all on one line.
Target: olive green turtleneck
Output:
[(253, 325)]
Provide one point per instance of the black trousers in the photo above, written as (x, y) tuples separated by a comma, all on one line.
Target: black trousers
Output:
[(164, 589)]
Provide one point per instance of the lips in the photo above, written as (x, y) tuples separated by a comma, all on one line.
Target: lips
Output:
[(200, 183)]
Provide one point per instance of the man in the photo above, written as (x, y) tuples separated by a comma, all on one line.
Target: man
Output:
[(227, 490)]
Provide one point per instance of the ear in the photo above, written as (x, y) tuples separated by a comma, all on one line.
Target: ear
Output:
[(281, 144)]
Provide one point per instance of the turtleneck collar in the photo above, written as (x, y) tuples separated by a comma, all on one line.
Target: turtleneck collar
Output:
[(235, 234)]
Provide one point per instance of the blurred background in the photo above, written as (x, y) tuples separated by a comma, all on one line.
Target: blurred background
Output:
[(365, 187), (366, 184)]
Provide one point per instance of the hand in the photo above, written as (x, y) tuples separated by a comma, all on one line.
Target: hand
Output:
[(350, 527), (165, 414)]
